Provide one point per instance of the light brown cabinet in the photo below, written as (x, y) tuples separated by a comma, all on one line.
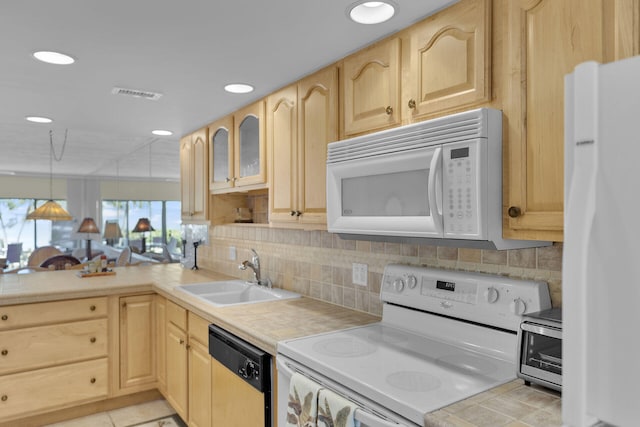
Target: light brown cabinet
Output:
[(301, 120), (69, 365), (137, 342), (371, 88), (446, 60), (545, 40), (194, 176), (238, 158), (176, 359), (161, 341), (199, 372)]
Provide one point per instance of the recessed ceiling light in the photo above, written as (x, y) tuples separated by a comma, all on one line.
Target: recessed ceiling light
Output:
[(161, 132), (56, 58), (36, 119), (371, 12), (238, 88)]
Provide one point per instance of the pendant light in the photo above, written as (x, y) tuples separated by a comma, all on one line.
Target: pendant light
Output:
[(52, 210)]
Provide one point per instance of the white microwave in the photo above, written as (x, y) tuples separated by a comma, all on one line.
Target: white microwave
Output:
[(434, 182)]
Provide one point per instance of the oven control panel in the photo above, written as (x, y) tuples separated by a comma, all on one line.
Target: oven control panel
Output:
[(484, 298)]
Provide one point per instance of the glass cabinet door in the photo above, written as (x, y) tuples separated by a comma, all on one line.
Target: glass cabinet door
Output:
[(221, 151), (250, 152)]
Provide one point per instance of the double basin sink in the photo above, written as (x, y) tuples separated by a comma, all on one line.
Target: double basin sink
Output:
[(233, 292)]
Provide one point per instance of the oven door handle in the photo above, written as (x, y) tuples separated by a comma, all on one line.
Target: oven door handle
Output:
[(542, 330), (371, 420)]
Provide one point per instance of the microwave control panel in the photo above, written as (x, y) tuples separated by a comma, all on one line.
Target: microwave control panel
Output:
[(462, 188)]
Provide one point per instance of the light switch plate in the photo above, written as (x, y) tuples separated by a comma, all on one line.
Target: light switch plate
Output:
[(360, 273), (232, 253)]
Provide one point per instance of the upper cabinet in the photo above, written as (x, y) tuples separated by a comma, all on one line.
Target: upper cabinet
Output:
[(238, 151), (194, 176), (301, 120), (371, 88), (545, 40), (446, 60)]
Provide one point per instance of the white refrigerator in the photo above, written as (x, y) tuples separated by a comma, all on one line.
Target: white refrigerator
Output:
[(601, 258)]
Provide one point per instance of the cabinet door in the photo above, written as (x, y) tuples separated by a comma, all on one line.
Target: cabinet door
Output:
[(449, 58), (249, 146), (282, 139), (161, 341), (177, 390), (200, 194), (199, 384), (317, 127), (371, 88), (137, 341), (221, 154), (542, 48), (186, 196)]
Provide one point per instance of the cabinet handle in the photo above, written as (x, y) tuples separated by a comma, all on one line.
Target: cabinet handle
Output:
[(514, 212), (412, 103), (389, 110), (298, 213), (93, 380), (181, 341), (188, 346), (92, 339), (5, 317), (124, 305), (293, 213), (4, 397), (227, 179), (5, 352), (92, 308)]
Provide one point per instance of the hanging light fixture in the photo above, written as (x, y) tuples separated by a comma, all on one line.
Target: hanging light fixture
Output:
[(52, 210)]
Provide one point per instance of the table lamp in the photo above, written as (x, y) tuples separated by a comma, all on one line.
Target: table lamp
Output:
[(112, 231), (142, 226), (88, 226)]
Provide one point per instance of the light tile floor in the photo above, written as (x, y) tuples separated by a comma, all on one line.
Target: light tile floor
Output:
[(142, 415)]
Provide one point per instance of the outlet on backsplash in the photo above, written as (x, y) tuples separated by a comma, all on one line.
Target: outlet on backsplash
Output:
[(360, 273)]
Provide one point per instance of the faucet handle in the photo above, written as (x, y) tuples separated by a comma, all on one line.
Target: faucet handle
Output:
[(256, 257)]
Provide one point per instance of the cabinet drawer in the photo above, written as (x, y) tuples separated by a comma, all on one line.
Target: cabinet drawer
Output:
[(52, 388), (42, 346), (199, 329), (23, 315), (177, 315)]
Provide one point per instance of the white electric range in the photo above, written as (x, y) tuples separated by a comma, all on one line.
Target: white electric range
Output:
[(444, 336)]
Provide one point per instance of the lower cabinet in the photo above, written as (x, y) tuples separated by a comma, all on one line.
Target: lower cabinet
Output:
[(52, 355), (137, 342), (188, 365)]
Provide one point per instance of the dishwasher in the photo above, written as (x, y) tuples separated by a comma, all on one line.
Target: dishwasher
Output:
[(240, 381)]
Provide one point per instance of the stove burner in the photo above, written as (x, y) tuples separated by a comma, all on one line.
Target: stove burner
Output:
[(413, 381), (470, 365), (344, 347)]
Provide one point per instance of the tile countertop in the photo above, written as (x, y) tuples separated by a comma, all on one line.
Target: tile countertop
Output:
[(264, 324)]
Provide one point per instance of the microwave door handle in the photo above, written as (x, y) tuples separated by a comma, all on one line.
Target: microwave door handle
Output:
[(435, 172)]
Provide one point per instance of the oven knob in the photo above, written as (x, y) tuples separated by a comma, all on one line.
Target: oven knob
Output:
[(518, 306), (412, 281), (491, 295), (398, 285)]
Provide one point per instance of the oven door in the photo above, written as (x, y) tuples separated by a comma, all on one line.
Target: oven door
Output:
[(541, 354), (368, 414), (394, 194)]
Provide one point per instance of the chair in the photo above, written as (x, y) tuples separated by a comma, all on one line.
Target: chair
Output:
[(124, 258), (14, 250), (24, 270), (40, 254), (59, 262)]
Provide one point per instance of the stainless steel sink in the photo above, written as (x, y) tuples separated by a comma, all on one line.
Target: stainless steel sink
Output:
[(232, 292)]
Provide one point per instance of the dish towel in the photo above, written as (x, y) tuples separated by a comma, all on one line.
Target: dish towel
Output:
[(302, 408), (335, 410)]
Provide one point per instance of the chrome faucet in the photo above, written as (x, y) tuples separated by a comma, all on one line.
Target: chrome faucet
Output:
[(254, 265)]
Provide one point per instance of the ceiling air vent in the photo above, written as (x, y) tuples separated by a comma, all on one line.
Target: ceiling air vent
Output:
[(153, 96)]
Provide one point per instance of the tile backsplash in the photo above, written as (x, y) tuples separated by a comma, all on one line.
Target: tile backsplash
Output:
[(318, 264)]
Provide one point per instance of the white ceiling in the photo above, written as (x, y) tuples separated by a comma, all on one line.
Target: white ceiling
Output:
[(185, 49)]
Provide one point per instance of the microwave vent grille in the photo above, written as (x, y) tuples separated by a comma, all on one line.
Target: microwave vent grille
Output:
[(453, 128)]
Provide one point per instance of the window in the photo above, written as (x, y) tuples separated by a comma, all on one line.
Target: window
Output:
[(164, 216)]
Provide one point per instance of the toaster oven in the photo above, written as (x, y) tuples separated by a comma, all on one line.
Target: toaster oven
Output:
[(540, 348)]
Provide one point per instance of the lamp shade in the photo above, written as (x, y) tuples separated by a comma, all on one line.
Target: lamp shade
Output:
[(88, 225), (51, 211), (112, 230), (142, 225)]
